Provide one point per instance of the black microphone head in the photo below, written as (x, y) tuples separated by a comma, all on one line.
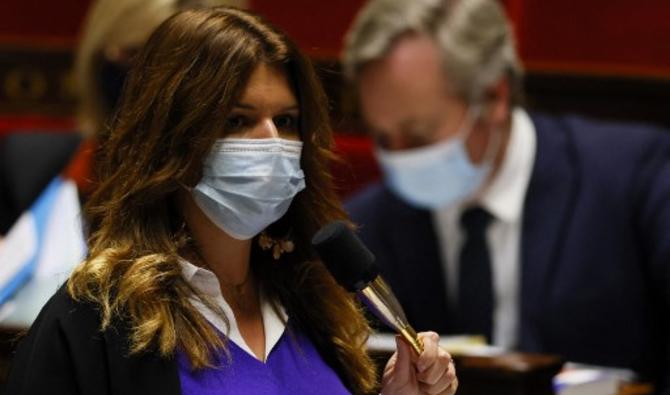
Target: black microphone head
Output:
[(345, 256)]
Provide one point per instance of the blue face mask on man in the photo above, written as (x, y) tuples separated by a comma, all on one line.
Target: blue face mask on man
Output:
[(247, 184), (438, 175)]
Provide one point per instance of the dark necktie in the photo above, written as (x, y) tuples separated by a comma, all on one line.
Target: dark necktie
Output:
[(475, 290)]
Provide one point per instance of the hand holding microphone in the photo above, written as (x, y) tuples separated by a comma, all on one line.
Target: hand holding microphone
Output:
[(429, 369)]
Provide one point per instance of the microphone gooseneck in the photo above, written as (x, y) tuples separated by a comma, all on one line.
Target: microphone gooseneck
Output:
[(353, 266)]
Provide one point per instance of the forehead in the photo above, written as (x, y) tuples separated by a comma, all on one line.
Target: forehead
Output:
[(408, 82), (268, 86)]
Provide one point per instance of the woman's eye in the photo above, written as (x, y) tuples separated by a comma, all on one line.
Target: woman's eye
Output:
[(235, 122), (287, 123)]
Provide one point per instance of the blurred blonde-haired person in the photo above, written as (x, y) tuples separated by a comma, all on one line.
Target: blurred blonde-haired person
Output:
[(112, 33)]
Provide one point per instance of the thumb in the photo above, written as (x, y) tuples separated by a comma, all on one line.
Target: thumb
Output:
[(404, 369)]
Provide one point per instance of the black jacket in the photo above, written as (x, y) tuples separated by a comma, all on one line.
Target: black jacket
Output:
[(65, 353)]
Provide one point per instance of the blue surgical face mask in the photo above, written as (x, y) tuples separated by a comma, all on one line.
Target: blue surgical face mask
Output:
[(247, 184), (438, 175)]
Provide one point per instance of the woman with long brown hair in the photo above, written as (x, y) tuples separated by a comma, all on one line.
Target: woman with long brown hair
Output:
[(200, 277)]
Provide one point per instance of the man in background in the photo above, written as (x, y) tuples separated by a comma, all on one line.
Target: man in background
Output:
[(542, 233)]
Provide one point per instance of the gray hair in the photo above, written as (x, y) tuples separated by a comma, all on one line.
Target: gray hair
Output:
[(474, 37)]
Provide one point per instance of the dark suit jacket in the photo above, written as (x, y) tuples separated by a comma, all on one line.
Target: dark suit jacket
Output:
[(65, 353), (29, 160), (595, 247)]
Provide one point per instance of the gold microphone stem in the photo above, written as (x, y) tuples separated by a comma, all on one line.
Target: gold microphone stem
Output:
[(381, 301), (410, 336)]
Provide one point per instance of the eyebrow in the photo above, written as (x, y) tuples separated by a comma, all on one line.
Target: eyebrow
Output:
[(245, 106), (412, 123)]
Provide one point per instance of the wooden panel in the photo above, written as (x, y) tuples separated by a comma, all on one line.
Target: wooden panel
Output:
[(594, 37), (41, 22), (317, 26), (616, 98), (37, 81), (575, 51)]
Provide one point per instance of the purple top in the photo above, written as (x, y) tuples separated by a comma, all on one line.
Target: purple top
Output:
[(293, 367)]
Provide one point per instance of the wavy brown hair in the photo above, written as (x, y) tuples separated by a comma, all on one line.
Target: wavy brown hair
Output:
[(184, 83)]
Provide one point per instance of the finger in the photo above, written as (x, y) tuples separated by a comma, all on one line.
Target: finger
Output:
[(453, 378), (451, 390), (436, 388), (390, 364), (445, 384), (403, 369), (430, 351), (438, 369), (453, 387)]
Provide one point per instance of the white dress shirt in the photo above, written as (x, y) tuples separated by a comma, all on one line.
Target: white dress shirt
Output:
[(503, 199), (206, 282)]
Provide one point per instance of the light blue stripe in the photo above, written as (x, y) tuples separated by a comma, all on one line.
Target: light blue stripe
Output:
[(40, 211)]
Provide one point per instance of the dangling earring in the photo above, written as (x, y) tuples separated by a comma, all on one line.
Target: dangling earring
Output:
[(182, 236), (278, 247)]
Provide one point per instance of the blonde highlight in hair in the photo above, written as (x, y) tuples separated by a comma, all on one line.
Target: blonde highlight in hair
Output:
[(182, 87)]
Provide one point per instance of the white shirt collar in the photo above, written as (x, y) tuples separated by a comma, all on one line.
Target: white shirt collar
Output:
[(206, 282), (505, 195)]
